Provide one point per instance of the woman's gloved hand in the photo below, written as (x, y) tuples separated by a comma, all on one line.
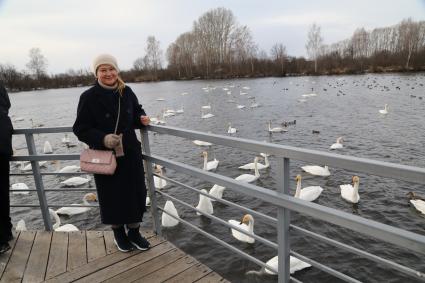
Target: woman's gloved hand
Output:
[(111, 141)]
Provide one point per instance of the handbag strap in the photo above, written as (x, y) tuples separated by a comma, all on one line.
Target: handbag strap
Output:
[(119, 112)]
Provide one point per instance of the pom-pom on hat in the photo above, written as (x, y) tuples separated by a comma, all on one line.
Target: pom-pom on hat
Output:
[(104, 59)]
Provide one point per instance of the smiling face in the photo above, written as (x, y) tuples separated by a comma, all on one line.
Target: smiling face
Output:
[(107, 74)]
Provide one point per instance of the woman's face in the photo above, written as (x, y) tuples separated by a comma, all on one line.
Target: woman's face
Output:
[(107, 74)]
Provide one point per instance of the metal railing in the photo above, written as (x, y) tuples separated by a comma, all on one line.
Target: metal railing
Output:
[(280, 198)]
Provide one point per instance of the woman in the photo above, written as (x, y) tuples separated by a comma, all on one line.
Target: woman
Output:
[(122, 196), (6, 130)]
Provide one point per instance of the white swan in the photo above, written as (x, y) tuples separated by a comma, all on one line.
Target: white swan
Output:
[(21, 226), (57, 226), (317, 170), (18, 187), (70, 211), (75, 181), (246, 224), (148, 201), (28, 167), (66, 169), (295, 265), (205, 204), (248, 178), (231, 130), (65, 139), (47, 148), (217, 191), (251, 166), (351, 193), (385, 110), (206, 106), (202, 143), (209, 165), (417, 202), (206, 116), (338, 144), (159, 182), (180, 111), (307, 193), (167, 220), (276, 129)]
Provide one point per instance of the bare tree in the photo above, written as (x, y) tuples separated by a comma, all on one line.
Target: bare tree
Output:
[(314, 43), (279, 55), (37, 64), (409, 38), (153, 58)]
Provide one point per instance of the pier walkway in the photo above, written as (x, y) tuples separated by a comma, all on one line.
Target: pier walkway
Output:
[(91, 256)]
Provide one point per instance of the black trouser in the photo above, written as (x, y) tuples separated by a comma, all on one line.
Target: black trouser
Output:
[(5, 223)]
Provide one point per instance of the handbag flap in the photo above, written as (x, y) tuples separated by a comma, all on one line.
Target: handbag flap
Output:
[(96, 156)]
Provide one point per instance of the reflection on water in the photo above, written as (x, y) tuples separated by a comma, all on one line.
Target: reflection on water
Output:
[(346, 106)]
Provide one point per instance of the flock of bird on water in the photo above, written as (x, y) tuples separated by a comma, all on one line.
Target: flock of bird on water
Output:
[(349, 192)]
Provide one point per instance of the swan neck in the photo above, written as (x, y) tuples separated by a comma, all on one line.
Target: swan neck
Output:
[(298, 191), (355, 189), (257, 174), (57, 220), (205, 161)]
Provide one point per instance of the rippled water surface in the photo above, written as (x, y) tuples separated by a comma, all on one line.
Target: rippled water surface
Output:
[(346, 106)]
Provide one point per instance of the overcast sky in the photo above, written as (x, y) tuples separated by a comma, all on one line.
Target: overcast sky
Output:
[(70, 33)]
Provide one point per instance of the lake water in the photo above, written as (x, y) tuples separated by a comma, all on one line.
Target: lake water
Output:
[(346, 106)]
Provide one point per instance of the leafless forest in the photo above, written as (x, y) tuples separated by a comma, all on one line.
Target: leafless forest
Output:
[(218, 47)]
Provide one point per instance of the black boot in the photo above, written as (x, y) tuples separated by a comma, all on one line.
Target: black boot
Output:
[(121, 240), (4, 247), (137, 239)]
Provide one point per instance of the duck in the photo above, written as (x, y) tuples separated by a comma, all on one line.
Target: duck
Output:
[(159, 183), (47, 149), (205, 204), (75, 181), (217, 191), (57, 226), (317, 170), (231, 130), (338, 144), (385, 110), (20, 189), (248, 178), (260, 166), (295, 265), (70, 211), (209, 165), (167, 220), (275, 129), (417, 202), (351, 192), (21, 226), (308, 193), (247, 224), (202, 143)]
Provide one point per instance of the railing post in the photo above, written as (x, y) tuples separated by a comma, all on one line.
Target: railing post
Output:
[(283, 221), (150, 182), (39, 183)]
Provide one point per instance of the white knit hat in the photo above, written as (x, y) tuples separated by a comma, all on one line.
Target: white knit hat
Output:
[(104, 59)]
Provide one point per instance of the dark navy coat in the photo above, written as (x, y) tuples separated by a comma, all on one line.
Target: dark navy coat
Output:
[(6, 128), (122, 196)]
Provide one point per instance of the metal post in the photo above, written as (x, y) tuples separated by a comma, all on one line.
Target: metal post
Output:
[(150, 182), (39, 183), (283, 221)]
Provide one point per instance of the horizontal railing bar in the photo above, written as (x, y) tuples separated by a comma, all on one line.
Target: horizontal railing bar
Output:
[(57, 190), (266, 217), (386, 262), (221, 242), (368, 227), (50, 173), (373, 167), (261, 239), (53, 205), (325, 268), (45, 157), (43, 130)]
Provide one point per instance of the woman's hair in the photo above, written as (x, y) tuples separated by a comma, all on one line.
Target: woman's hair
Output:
[(121, 86)]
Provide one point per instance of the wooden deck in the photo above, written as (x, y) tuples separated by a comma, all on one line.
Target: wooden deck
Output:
[(91, 256)]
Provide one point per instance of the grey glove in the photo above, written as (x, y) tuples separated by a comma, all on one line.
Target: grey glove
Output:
[(111, 141)]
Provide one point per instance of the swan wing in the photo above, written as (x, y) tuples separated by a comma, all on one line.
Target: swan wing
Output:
[(419, 205), (167, 220), (67, 228), (72, 210), (238, 235), (297, 264), (311, 193), (217, 191)]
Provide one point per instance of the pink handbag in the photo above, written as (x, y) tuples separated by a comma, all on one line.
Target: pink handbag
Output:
[(98, 161)]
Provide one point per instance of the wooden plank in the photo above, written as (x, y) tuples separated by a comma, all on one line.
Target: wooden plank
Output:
[(212, 278), (109, 242), (15, 269), (58, 254), (4, 258), (168, 271), (77, 249), (100, 263), (128, 263), (95, 245), (192, 274), (37, 262)]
